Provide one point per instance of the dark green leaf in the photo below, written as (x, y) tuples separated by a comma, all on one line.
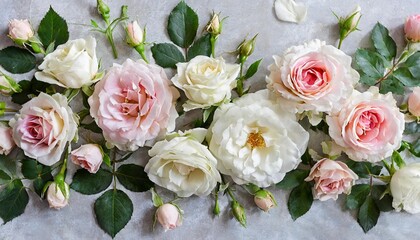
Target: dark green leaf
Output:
[(13, 200), (92, 127), (367, 80), (383, 43), (4, 177), (412, 127), (391, 84), (384, 202), (368, 214), (167, 55), (322, 126), (17, 60), (40, 181), (396, 158), (415, 148), (113, 211), (30, 168), (53, 29), (252, 69), (208, 113), (413, 64), (306, 157), (8, 165), (89, 183), (357, 196), (370, 62), (404, 75), (201, 46), (182, 25), (293, 179), (300, 200), (30, 89), (362, 169), (133, 178)]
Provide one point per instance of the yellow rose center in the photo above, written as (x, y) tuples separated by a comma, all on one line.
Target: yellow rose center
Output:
[(255, 140)]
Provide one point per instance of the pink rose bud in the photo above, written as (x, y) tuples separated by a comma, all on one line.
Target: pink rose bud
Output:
[(412, 28), (88, 156), (414, 102), (56, 197), (20, 30), (169, 216), (6, 143), (264, 200), (135, 35), (331, 179)]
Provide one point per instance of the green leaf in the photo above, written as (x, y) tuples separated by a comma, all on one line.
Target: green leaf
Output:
[(363, 169), (53, 29), (208, 113), (396, 158), (17, 60), (8, 165), (415, 148), (412, 127), (368, 214), (133, 178), (300, 200), (201, 46), (252, 69), (383, 201), (4, 177), (13, 200), (391, 84), (293, 179), (367, 80), (30, 168), (370, 63), (30, 89), (89, 183), (404, 75), (413, 64), (382, 42), (113, 211), (306, 157), (182, 25), (357, 196), (167, 55)]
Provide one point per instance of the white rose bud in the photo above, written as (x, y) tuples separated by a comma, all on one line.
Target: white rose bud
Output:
[(20, 31), (135, 35), (405, 188), (88, 156), (169, 216), (215, 25), (6, 143), (56, 197), (71, 65)]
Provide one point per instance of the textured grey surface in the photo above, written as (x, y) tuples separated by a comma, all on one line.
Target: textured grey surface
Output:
[(325, 220)]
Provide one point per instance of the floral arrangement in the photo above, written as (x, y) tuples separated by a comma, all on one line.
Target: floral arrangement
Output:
[(243, 138)]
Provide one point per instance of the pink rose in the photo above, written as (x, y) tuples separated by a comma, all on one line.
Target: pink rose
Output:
[(134, 103), (312, 77), (412, 28), (6, 143), (168, 216), (414, 102), (43, 127), (20, 30), (369, 127), (88, 156), (331, 179)]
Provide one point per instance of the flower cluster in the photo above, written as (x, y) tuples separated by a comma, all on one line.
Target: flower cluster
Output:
[(245, 138)]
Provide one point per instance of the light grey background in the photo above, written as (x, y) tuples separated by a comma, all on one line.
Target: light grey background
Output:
[(325, 220)]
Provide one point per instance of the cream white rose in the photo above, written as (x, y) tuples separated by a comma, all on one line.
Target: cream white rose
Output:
[(312, 77), (183, 165), (205, 81), (405, 188), (71, 65), (43, 127), (255, 141)]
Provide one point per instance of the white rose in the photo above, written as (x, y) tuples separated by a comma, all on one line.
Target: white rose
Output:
[(43, 127), (312, 77), (206, 81), (405, 188), (71, 65), (255, 141), (183, 165)]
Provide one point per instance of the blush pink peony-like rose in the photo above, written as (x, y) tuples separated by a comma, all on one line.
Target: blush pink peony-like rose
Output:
[(43, 127), (88, 156), (369, 127), (134, 103), (412, 28), (331, 179), (6, 143), (414, 102), (312, 77)]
